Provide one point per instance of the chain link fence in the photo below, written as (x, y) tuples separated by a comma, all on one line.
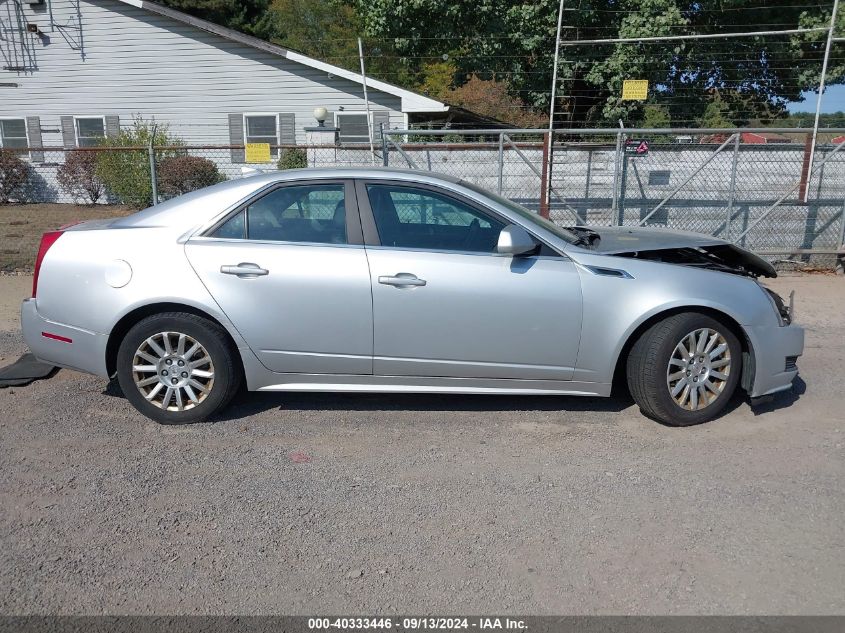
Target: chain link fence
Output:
[(749, 186)]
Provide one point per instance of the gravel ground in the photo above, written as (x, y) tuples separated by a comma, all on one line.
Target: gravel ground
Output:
[(359, 503)]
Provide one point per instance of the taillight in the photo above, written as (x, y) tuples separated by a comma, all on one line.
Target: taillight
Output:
[(47, 240)]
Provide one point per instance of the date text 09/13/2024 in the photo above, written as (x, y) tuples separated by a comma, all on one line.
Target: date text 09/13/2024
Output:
[(417, 623)]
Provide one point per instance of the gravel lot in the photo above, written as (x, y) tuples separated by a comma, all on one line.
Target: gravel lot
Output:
[(357, 503)]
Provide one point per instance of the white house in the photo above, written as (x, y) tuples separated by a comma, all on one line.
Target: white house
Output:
[(76, 70)]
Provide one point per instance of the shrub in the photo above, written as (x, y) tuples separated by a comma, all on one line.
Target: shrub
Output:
[(293, 159), (126, 173), (181, 174), (78, 176), (14, 174)]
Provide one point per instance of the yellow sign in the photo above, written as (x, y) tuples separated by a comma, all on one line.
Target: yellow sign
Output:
[(635, 90), (258, 152)]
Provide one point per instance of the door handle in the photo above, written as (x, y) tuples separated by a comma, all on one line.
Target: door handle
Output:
[(245, 270), (401, 280)]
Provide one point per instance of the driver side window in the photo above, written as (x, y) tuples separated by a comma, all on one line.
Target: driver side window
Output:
[(409, 217)]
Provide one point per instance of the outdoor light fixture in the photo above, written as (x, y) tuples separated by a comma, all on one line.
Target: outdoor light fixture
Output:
[(320, 114)]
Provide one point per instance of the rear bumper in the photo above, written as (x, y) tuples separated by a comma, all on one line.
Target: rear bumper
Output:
[(63, 345), (773, 347)]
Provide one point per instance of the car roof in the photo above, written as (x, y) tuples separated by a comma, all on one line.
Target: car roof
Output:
[(356, 172), (199, 206)]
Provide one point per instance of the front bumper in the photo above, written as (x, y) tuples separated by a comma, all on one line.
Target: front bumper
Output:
[(775, 350), (63, 345)]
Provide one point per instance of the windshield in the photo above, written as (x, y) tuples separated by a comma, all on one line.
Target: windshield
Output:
[(533, 218)]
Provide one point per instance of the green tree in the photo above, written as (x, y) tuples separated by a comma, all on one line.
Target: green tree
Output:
[(438, 79), (329, 31), (126, 173), (515, 42), (248, 16), (716, 114), (655, 116)]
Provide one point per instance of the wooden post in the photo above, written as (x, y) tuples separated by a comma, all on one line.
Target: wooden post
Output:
[(544, 177), (804, 187)]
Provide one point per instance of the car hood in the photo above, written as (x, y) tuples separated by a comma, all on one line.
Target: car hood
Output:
[(677, 247), (620, 239)]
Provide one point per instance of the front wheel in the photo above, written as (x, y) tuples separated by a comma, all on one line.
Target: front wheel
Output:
[(177, 368), (684, 369)]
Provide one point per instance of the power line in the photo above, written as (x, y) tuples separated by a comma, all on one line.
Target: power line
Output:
[(671, 38)]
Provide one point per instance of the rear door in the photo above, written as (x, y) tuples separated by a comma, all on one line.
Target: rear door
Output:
[(290, 271), (445, 304)]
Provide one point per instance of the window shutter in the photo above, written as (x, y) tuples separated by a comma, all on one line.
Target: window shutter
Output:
[(33, 131), (68, 132), (287, 128), (379, 119), (112, 126), (236, 137)]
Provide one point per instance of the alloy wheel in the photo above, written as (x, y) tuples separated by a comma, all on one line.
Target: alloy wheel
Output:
[(698, 369), (173, 371)]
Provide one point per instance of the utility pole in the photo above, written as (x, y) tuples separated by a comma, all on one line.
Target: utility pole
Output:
[(550, 136), (366, 101), (805, 193)]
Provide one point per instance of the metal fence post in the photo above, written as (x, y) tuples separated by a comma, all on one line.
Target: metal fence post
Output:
[(614, 204), (153, 175), (622, 189), (732, 193), (842, 228), (544, 178), (384, 159), (501, 160)]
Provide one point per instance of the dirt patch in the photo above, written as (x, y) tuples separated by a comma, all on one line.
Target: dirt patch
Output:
[(21, 226), (13, 290)]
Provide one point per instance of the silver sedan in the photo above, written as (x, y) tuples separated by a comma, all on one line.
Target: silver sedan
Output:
[(371, 280)]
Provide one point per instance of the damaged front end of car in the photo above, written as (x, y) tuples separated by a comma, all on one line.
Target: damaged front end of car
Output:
[(722, 257), (685, 249)]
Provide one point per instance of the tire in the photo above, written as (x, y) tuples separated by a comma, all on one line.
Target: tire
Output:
[(660, 373), (205, 379)]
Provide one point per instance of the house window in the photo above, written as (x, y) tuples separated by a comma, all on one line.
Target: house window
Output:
[(89, 130), (352, 128), (13, 134), (262, 128)]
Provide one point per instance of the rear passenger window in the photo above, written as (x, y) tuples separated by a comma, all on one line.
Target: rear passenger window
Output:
[(299, 213)]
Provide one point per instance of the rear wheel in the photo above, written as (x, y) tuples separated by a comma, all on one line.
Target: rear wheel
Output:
[(684, 369), (177, 368)]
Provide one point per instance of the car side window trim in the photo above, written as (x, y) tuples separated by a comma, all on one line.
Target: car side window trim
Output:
[(370, 230), (354, 233)]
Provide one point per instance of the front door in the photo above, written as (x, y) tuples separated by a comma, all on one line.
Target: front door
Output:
[(290, 271), (444, 304)]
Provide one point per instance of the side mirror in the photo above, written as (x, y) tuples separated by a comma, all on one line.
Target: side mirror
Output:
[(515, 240)]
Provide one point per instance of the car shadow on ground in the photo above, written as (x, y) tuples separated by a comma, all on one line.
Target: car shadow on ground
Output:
[(246, 404), (777, 401)]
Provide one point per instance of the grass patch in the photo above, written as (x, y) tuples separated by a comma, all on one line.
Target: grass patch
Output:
[(21, 226)]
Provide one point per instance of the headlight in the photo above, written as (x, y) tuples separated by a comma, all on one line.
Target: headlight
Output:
[(783, 310)]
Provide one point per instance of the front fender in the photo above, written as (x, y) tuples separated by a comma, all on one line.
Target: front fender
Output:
[(616, 306)]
